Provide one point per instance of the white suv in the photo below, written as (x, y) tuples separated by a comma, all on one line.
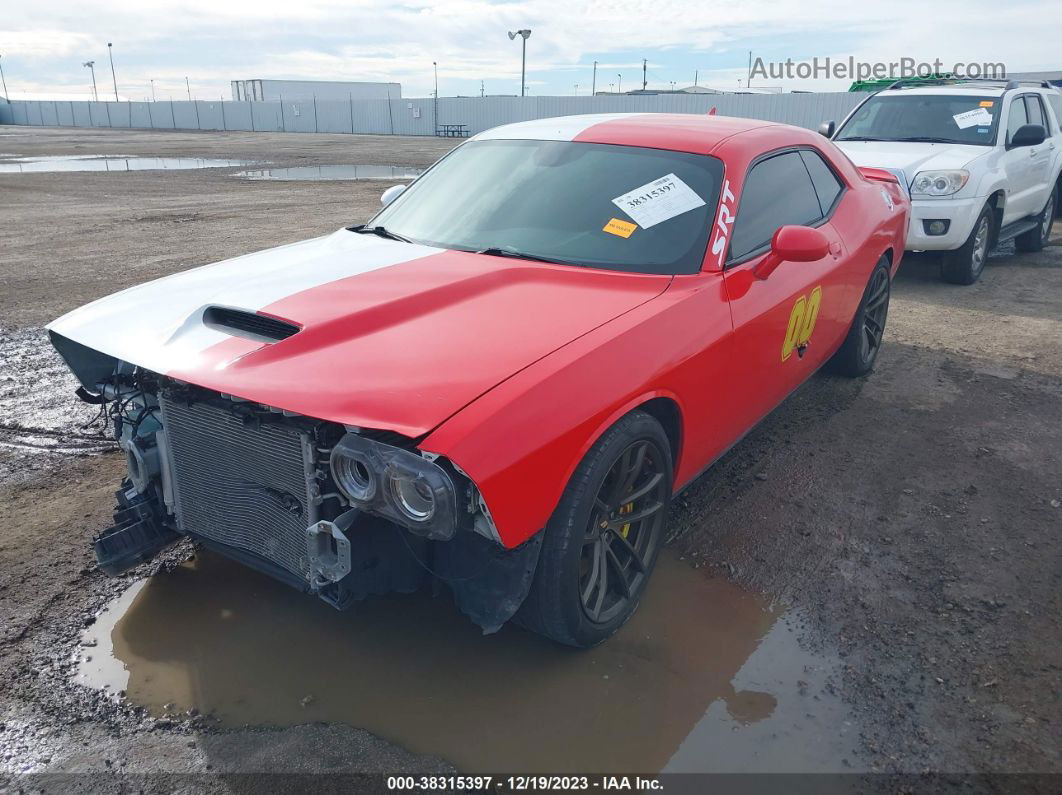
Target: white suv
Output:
[(981, 160)]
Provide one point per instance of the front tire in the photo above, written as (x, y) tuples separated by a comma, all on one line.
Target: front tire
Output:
[(601, 543), (964, 264), (859, 351), (1036, 239)]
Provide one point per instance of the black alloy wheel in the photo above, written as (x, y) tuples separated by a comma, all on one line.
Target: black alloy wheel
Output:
[(623, 531)]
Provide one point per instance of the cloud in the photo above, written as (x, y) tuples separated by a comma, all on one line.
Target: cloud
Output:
[(213, 42)]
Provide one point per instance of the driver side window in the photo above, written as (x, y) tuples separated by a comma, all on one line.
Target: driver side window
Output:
[(778, 191)]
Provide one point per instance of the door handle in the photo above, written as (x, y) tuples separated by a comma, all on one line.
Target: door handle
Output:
[(835, 248)]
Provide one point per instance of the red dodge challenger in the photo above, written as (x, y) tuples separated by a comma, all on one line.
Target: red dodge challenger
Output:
[(502, 379)]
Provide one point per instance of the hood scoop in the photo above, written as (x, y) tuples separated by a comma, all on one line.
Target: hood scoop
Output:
[(249, 325)]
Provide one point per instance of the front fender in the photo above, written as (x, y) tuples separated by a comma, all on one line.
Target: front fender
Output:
[(521, 442)]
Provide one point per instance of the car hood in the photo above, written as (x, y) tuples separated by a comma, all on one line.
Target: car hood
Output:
[(391, 335), (910, 158)]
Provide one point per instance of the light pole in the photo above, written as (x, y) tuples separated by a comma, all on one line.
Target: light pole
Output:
[(4, 82), (110, 55), (188, 88), (523, 56), (435, 100), (92, 68), (576, 89), (593, 85), (152, 89), (619, 84)]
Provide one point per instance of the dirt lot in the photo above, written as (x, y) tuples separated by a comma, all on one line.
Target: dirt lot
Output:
[(905, 526)]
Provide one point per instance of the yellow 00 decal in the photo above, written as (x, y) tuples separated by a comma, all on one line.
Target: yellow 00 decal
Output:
[(801, 322)]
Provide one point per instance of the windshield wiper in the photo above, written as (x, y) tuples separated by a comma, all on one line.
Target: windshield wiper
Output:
[(860, 138), (494, 251), (926, 139), (379, 231)]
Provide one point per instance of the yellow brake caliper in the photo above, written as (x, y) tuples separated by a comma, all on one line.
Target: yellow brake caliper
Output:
[(627, 527)]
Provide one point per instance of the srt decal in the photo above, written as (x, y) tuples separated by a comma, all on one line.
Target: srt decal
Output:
[(723, 223), (801, 323)]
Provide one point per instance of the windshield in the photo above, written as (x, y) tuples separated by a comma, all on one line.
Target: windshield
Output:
[(596, 205), (936, 118)]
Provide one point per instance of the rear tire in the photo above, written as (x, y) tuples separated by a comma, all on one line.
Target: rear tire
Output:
[(859, 351), (594, 565), (964, 264), (1036, 239)]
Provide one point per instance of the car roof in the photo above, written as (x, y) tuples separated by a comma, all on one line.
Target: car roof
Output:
[(681, 132)]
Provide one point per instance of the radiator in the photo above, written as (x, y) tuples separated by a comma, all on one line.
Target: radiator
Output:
[(243, 485)]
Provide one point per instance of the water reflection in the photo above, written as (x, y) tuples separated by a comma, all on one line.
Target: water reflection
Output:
[(31, 165), (667, 689), (328, 173)]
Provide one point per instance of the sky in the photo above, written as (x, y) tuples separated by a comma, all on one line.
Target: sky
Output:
[(210, 42)]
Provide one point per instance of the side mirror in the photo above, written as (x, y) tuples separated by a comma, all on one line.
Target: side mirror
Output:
[(793, 244), (391, 194), (828, 128), (1028, 135)]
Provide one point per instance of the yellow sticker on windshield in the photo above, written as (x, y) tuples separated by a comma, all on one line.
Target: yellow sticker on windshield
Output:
[(987, 103), (619, 228)]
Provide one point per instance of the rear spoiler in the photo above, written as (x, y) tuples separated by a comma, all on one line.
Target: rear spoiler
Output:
[(878, 174)]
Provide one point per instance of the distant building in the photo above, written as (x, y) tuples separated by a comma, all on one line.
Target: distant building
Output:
[(1054, 78), (306, 90)]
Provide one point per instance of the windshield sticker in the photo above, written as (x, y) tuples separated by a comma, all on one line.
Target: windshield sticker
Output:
[(983, 130), (619, 228), (987, 103), (658, 201), (973, 117)]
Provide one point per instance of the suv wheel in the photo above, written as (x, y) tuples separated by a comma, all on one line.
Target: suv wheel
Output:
[(601, 543), (1036, 239), (964, 264)]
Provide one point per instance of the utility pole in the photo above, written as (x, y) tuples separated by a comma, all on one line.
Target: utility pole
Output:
[(110, 54), (188, 88), (593, 86), (619, 84), (748, 80), (482, 90), (4, 82), (696, 74), (524, 34), (153, 89), (576, 89), (435, 101), (644, 82), (91, 65)]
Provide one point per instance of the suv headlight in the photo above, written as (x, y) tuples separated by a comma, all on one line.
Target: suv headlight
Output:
[(939, 183), (396, 484)]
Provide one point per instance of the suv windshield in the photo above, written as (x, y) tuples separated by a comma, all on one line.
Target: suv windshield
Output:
[(596, 205), (934, 118)]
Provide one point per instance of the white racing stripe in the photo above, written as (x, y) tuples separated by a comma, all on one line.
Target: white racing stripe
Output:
[(562, 128), (159, 325)]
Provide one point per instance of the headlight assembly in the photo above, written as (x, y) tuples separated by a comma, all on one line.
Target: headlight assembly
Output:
[(939, 183), (396, 484)]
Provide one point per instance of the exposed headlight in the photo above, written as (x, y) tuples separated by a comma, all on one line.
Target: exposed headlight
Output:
[(939, 183), (396, 484), (412, 496), (354, 474)]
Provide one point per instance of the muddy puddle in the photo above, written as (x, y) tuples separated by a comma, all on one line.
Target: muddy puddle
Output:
[(704, 678), (328, 173), (36, 165)]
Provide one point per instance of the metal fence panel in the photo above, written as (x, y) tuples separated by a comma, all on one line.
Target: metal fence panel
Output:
[(416, 116)]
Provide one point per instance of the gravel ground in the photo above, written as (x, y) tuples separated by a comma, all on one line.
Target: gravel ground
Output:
[(912, 517)]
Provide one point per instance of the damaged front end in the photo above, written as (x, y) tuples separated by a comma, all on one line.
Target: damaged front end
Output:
[(342, 513)]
